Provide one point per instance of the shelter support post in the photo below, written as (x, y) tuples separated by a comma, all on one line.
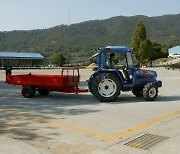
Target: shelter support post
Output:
[(2, 62), (19, 63)]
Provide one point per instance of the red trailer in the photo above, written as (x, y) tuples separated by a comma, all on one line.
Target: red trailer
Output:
[(67, 82)]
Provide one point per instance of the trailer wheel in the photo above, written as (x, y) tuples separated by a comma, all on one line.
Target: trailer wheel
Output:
[(28, 91), (150, 92), (43, 92), (106, 87)]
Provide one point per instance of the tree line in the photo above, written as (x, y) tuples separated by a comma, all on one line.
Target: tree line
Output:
[(144, 50)]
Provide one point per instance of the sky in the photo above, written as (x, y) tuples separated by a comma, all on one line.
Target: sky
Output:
[(39, 14)]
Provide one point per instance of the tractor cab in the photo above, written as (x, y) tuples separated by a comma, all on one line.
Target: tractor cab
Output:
[(124, 66)]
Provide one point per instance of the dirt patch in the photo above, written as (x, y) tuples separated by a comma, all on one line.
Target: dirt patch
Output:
[(161, 60), (91, 66)]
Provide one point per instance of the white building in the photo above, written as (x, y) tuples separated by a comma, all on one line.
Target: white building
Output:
[(174, 52)]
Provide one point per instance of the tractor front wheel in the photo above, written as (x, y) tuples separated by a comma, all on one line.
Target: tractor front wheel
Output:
[(106, 87), (150, 92)]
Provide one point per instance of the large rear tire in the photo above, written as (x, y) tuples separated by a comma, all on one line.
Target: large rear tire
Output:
[(90, 81), (150, 92), (106, 87), (28, 91)]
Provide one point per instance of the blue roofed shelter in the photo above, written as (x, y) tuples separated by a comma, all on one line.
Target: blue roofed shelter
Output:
[(20, 58)]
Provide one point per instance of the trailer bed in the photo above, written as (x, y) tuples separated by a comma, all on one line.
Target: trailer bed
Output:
[(67, 82)]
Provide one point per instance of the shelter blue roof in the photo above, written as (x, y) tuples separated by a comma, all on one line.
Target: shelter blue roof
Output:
[(20, 55), (174, 50)]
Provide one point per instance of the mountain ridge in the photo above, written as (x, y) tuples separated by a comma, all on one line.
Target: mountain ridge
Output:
[(91, 34)]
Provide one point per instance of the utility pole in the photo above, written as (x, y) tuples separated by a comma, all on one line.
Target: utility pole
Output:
[(69, 18)]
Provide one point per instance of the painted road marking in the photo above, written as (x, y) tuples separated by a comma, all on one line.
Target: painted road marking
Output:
[(92, 133), (136, 145), (147, 124)]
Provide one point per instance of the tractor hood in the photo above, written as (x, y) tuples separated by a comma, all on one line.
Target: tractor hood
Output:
[(146, 74)]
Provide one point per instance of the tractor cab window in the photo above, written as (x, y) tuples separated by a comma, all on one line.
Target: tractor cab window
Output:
[(122, 60), (125, 62), (129, 60)]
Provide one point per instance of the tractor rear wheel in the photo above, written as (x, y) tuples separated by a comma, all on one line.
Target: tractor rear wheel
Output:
[(90, 81), (150, 92), (106, 87), (28, 91)]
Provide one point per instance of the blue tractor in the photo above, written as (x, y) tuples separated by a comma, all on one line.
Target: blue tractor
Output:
[(106, 83)]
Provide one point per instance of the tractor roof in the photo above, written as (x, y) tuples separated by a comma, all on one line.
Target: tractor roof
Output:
[(116, 49)]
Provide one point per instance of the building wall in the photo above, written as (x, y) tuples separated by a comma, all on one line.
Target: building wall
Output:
[(174, 52), (21, 62)]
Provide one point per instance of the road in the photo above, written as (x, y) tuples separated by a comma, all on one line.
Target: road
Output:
[(70, 123)]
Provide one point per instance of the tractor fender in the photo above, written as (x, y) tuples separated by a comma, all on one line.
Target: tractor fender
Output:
[(117, 73)]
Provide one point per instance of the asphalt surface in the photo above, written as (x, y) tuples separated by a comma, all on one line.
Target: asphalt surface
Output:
[(70, 123)]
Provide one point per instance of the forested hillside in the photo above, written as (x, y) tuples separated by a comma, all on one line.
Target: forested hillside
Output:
[(86, 36)]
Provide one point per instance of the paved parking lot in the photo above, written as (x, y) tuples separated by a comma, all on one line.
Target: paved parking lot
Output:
[(70, 123)]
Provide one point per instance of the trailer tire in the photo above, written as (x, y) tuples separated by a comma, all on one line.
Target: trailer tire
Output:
[(43, 92), (106, 87), (150, 92), (28, 91)]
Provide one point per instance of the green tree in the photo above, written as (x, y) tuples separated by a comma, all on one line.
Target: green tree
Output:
[(145, 51), (156, 51), (138, 41), (164, 52), (57, 59)]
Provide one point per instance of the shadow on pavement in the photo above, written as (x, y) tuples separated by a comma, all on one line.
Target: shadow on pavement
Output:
[(168, 98), (19, 128), (55, 107)]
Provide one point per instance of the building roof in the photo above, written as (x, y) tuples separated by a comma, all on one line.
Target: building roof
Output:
[(174, 50), (20, 55)]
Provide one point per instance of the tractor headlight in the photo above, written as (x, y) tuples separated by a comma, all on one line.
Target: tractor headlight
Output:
[(131, 76)]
